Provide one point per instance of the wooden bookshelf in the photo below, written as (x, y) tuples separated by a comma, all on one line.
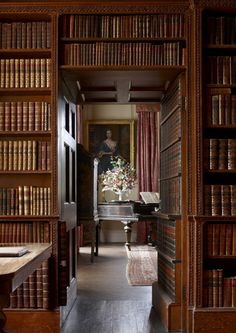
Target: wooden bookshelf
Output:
[(171, 147), (28, 213), (212, 231), (167, 291), (123, 43), (214, 242)]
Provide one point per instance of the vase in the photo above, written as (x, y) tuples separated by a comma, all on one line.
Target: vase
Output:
[(120, 196)]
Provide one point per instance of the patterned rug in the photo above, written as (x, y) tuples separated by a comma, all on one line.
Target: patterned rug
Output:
[(141, 268)]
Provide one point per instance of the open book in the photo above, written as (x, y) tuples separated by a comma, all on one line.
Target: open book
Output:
[(150, 197), (13, 251)]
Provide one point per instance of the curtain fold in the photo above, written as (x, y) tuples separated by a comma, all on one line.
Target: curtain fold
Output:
[(148, 157)]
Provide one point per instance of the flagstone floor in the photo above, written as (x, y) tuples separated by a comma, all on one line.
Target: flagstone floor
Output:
[(106, 303)]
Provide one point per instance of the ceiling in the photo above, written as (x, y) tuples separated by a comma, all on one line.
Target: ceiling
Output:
[(88, 86)]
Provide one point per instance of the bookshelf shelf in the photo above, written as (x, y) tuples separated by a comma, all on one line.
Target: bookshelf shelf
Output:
[(16, 172), (23, 91), (28, 218), (219, 86), (162, 68), (220, 47), (124, 39), (25, 53), (217, 172), (25, 133), (222, 257)]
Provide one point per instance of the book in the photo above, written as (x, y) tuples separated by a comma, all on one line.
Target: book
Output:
[(150, 197), (13, 251)]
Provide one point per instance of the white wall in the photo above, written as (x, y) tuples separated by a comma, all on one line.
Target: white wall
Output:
[(112, 231)]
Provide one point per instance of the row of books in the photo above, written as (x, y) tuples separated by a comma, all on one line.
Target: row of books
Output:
[(21, 155), (220, 154), (171, 102), (25, 116), (25, 35), (222, 109), (25, 73), (221, 69), (113, 54), (123, 26), (171, 191), (166, 275), (221, 239), (220, 200), (171, 161), (24, 232), (219, 290), (171, 129), (221, 30), (166, 240), (25, 200), (34, 292)]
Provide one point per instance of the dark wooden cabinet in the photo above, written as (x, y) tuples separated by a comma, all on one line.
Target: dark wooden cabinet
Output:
[(87, 194), (87, 185)]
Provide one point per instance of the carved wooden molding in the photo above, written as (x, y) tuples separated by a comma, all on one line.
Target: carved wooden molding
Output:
[(61, 8), (19, 10), (136, 9), (212, 4), (198, 111), (198, 240), (191, 262), (55, 112), (188, 108)]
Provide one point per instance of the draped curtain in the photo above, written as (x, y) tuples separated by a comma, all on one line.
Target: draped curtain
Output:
[(148, 157)]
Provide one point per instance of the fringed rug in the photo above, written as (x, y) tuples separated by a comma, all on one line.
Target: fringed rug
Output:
[(142, 265)]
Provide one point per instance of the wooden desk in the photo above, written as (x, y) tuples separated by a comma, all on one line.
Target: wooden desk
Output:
[(15, 270)]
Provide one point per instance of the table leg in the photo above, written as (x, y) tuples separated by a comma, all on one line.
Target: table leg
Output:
[(4, 302), (128, 232)]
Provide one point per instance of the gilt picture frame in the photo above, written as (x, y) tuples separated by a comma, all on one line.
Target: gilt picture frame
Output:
[(121, 131)]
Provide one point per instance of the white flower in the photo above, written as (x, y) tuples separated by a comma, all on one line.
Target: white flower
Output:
[(121, 178)]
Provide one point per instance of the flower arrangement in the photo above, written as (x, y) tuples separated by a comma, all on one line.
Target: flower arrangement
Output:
[(120, 179)]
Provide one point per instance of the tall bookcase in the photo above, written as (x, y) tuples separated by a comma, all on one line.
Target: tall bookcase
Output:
[(212, 231), (28, 210), (167, 292)]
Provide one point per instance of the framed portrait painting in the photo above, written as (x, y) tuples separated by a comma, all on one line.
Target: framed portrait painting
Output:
[(106, 138)]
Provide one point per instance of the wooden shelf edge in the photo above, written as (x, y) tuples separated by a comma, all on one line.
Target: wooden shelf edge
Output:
[(20, 218), (122, 67), (121, 39)]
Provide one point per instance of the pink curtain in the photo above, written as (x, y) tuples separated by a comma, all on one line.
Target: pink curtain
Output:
[(148, 157)]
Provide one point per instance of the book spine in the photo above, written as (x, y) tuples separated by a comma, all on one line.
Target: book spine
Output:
[(231, 154), (225, 200)]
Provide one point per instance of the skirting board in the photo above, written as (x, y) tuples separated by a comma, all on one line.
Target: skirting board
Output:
[(32, 321), (169, 312), (214, 320)]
